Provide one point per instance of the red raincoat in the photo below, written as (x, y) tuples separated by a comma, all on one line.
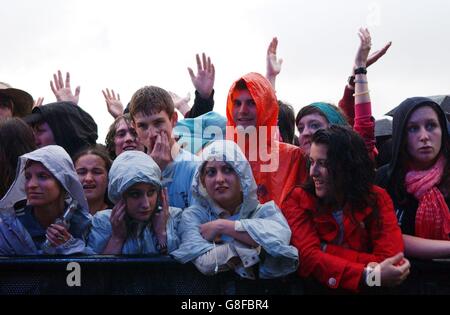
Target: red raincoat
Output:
[(289, 161), (341, 266)]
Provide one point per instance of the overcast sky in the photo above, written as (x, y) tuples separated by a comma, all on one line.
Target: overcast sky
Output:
[(125, 45)]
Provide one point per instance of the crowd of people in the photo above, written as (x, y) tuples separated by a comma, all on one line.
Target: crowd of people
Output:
[(338, 204)]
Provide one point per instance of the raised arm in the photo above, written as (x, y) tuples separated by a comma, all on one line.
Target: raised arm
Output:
[(204, 80), (38, 102), (113, 103), (181, 103), (204, 87), (62, 90), (347, 103), (364, 123), (273, 64), (361, 85)]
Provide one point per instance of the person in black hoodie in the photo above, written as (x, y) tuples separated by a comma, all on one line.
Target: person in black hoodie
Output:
[(64, 124), (418, 177)]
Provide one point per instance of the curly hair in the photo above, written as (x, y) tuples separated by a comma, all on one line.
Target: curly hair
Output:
[(109, 141), (352, 172)]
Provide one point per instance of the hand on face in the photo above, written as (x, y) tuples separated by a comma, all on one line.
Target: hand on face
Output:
[(117, 219), (159, 221), (161, 152)]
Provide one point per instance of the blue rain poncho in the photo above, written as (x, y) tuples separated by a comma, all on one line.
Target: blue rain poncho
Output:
[(130, 168), (15, 239), (264, 223)]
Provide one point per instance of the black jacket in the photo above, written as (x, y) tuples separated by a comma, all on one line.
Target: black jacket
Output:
[(406, 207), (73, 128)]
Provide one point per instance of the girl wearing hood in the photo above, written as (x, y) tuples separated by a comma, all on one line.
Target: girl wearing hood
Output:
[(228, 228), (418, 177), (45, 210), (343, 225), (141, 221)]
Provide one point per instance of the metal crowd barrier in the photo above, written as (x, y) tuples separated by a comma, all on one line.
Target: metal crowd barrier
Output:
[(139, 275)]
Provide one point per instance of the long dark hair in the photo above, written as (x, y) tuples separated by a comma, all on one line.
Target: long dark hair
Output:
[(16, 139), (351, 170)]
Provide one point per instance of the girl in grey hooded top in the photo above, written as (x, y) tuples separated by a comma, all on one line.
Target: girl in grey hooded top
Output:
[(22, 227), (141, 221), (259, 233)]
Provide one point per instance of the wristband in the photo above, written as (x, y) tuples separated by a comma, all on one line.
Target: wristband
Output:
[(361, 93), (361, 70)]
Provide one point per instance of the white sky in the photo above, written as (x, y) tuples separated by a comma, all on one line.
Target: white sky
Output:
[(125, 45)]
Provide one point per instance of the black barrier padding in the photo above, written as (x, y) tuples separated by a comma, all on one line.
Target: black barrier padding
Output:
[(147, 275)]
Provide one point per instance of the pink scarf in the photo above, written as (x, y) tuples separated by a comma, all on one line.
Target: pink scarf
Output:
[(432, 216)]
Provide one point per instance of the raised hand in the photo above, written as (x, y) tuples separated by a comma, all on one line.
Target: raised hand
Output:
[(38, 102), (181, 103), (378, 54), (273, 64), (113, 103), (63, 92), (159, 221), (204, 80), (364, 48)]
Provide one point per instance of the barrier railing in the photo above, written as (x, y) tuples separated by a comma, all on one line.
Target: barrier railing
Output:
[(164, 276)]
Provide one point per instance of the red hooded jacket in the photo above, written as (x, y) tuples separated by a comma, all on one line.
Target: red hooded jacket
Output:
[(341, 266), (288, 161)]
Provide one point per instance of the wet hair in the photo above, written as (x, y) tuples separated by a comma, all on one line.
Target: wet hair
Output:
[(351, 170), (397, 182), (109, 141), (286, 122), (100, 151), (151, 100), (16, 139)]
